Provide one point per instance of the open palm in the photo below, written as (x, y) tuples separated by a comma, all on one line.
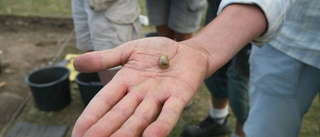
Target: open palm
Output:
[(142, 99)]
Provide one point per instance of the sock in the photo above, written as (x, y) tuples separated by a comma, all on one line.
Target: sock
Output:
[(219, 115)]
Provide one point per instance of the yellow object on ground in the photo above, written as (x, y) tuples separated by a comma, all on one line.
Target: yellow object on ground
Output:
[(73, 71)]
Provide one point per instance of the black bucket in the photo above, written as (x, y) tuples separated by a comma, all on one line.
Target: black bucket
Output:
[(50, 87), (89, 85)]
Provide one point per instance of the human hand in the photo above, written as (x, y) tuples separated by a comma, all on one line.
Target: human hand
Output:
[(142, 99)]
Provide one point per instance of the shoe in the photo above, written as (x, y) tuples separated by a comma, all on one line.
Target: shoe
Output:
[(207, 128)]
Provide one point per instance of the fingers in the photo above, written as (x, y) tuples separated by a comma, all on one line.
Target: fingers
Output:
[(167, 119), (147, 111), (99, 105), (129, 117), (113, 119)]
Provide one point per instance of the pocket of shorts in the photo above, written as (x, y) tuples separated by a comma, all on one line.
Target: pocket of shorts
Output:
[(127, 32), (281, 81), (117, 14), (196, 5), (100, 5)]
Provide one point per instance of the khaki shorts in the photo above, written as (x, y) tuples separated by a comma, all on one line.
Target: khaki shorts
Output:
[(95, 30), (183, 16)]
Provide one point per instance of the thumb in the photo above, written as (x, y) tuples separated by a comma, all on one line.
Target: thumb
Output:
[(102, 60)]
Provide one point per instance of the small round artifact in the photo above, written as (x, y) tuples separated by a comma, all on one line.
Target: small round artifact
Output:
[(163, 62)]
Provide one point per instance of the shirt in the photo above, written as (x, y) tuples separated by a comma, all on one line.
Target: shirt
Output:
[(293, 27)]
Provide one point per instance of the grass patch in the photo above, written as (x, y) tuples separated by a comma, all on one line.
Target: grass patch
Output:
[(46, 8)]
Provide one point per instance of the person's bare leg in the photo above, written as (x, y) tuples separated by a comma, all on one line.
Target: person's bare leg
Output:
[(182, 36), (239, 129), (165, 31), (219, 110), (219, 103)]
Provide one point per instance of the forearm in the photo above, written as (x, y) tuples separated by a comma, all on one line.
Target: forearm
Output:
[(220, 40)]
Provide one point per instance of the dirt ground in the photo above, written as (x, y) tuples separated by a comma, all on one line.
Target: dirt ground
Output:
[(29, 44)]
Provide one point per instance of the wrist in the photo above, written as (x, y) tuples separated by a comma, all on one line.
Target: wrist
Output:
[(221, 39), (202, 52)]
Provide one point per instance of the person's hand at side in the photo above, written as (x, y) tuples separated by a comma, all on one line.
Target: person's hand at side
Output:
[(142, 98)]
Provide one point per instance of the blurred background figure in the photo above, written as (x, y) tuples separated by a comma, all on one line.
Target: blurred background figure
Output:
[(105, 24), (229, 83), (175, 19)]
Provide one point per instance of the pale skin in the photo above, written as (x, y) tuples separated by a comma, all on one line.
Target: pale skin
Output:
[(146, 100)]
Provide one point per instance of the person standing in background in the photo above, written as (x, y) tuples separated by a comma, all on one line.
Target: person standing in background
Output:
[(105, 24), (175, 19), (228, 84)]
